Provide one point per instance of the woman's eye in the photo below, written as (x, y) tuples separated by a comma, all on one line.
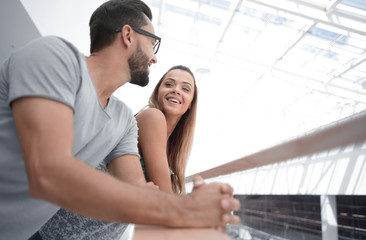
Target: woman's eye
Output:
[(186, 89)]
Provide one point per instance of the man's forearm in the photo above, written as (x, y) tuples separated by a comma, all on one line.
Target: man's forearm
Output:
[(98, 195)]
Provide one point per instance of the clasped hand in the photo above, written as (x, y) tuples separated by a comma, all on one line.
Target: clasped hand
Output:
[(217, 199)]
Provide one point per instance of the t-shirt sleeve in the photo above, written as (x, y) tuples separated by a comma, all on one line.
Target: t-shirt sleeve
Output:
[(128, 143), (47, 67)]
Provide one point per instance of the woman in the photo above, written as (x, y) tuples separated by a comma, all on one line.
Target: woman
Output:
[(166, 129)]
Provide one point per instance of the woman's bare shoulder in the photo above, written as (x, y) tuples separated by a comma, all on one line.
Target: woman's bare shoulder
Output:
[(151, 116), (152, 127)]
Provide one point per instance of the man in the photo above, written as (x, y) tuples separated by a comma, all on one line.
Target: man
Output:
[(59, 120)]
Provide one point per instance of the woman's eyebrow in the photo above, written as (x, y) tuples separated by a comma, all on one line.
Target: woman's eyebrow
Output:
[(172, 79), (187, 83)]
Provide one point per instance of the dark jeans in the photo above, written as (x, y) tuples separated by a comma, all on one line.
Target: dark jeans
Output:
[(35, 236)]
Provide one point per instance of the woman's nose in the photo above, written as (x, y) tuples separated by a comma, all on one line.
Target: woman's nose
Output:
[(176, 90)]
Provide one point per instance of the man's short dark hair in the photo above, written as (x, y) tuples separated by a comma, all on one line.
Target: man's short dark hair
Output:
[(113, 14)]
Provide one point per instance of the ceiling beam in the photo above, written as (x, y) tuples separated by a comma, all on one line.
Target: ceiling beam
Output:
[(229, 22), (319, 15), (350, 66), (297, 40), (332, 6), (161, 12)]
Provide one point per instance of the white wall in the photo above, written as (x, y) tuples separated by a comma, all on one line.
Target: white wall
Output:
[(16, 27)]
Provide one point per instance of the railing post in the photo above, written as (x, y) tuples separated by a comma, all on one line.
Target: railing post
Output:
[(329, 217)]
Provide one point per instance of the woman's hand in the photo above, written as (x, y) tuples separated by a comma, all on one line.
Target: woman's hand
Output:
[(152, 185)]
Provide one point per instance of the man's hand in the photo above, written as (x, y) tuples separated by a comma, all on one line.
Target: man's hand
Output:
[(214, 203)]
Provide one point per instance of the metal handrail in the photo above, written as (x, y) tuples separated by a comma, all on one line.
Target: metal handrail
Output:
[(340, 133)]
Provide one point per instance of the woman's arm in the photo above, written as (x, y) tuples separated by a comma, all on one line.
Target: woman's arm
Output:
[(128, 168), (153, 143)]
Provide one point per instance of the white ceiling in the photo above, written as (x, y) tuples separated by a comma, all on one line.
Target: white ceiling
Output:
[(266, 70)]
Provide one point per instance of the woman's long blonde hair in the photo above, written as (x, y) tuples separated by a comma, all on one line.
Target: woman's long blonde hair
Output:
[(180, 141)]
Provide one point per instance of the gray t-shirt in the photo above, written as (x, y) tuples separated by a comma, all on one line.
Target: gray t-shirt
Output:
[(71, 226), (65, 225), (52, 68)]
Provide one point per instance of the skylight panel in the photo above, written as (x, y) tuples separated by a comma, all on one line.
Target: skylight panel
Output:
[(356, 4)]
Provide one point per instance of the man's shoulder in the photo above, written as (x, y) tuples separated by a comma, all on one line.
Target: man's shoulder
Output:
[(45, 41), (51, 40), (49, 49)]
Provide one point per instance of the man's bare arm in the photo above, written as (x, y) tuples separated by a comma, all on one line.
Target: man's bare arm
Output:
[(45, 131)]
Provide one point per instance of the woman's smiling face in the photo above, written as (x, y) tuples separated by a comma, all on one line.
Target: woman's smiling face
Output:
[(176, 92)]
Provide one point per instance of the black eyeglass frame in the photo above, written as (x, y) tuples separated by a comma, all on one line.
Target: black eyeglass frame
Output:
[(146, 33)]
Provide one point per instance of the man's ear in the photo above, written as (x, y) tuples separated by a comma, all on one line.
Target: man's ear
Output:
[(126, 35)]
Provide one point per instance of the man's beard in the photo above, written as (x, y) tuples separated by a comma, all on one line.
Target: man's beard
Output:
[(137, 63)]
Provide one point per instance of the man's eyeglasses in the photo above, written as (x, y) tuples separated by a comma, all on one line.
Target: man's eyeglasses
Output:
[(146, 33)]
